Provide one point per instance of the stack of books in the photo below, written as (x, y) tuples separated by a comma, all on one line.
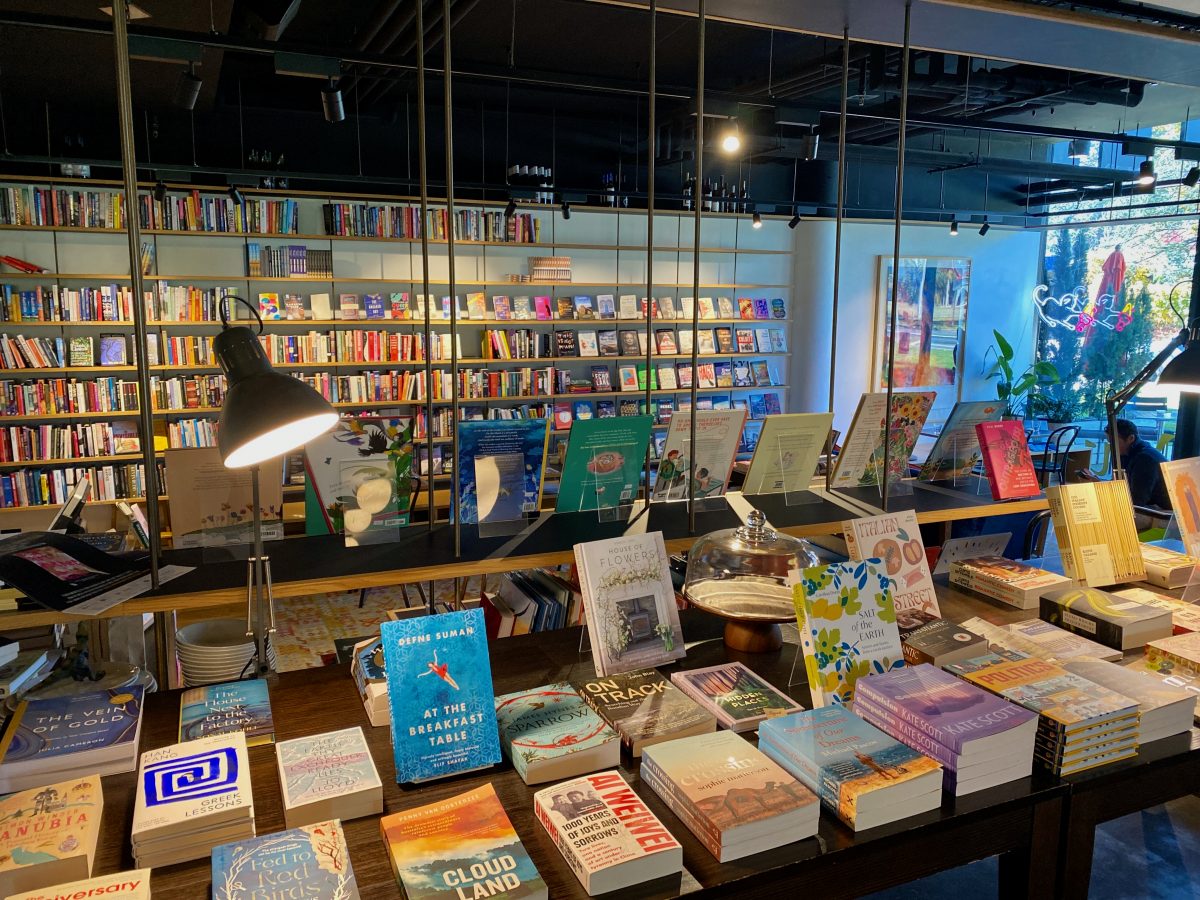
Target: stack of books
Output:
[(1081, 725), (328, 776), (1097, 537), (863, 776), (1181, 651), (1006, 580), (733, 798), (133, 885), (50, 834), (371, 678), (1116, 622), (1163, 709), (66, 737), (925, 638), (644, 708), (191, 797), (980, 739), (312, 861), (1185, 617), (1167, 568), (550, 734), (1053, 642)]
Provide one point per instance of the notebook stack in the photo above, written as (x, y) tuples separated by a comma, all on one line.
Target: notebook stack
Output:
[(1081, 724), (863, 776), (192, 797), (980, 739), (734, 799)]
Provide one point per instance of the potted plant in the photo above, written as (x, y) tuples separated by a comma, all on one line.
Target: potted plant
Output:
[(1056, 408), (1016, 390)]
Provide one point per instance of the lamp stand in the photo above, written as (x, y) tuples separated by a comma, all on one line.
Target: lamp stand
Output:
[(1115, 402), (258, 578)]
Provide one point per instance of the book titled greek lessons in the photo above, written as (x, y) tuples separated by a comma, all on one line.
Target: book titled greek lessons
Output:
[(440, 693), (629, 601)]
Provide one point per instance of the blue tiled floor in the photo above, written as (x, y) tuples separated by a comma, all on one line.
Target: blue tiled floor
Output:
[(1151, 854)]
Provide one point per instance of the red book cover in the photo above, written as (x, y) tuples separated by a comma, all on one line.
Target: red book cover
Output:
[(1006, 460)]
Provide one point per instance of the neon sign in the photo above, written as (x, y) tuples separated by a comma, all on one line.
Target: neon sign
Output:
[(1077, 312)]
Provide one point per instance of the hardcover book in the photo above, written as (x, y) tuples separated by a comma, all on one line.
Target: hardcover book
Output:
[(584, 308), (603, 465), (645, 708), (734, 798), (312, 859), (373, 306), (1015, 583), (861, 460), (49, 834), (664, 341), (81, 352), (1178, 651), (1182, 478), (924, 638), (628, 306), (895, 540), (737, 697), (440, 693), (708, 463), (328, 776), (1006, 460), (550, 733), (461, 847), (956, 450), (131, 885), (847, 620), (1116, 622), (502, 464), (565, 308), (588, 345), (605, 307), (113, 350), (221, 708), (629, 601), (607, 835)]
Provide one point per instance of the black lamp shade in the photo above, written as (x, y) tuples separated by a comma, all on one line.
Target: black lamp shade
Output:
[(266, 414), (1183, 372)]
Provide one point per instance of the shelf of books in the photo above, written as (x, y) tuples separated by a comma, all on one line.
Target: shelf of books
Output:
[(549, 317)]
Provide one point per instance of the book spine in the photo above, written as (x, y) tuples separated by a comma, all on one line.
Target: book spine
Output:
[(681, 804), (894, 710), (564, 846), (906, 734)]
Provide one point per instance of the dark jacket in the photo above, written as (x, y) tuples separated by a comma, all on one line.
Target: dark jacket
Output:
[(1142, 469)]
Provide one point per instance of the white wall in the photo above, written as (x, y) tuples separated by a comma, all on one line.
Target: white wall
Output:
[(1005, 265)]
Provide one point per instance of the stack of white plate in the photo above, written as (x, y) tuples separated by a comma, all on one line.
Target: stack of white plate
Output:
[(214, 651)]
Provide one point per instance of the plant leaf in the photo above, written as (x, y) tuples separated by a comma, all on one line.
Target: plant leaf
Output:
[(1006, 350)]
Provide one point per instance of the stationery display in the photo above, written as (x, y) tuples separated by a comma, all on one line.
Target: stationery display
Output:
[(645, 708), (1093, 522), (708, 463), (313, 859), (1006, 460), (1113, 621), (1014, 583), (785, 457), (50, 834), (328, 776), (221, 708), (895, 540), (550, 733), (861, 459), (957, 450), (736, 697)]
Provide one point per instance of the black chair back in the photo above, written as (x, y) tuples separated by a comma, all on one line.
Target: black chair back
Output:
[(1058, 451)]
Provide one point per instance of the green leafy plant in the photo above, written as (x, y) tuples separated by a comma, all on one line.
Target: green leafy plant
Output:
[(1053, 406), (1014, 389)]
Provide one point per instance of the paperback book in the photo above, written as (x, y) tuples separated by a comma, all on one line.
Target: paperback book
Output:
[(1116, 622), (707, 465), (604, 462), (1014, 583), (925, 638), (131, 885), (861, 459), (785, 457), (1094, 525), (645, 708), (737, 697), (50, 834), (550, 733), (502, 468), (312, 859), (956, 450), (328, 776), (221, 708), (895, 540), (1006, 460)]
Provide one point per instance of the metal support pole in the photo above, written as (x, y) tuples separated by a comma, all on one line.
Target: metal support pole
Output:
[(422, 174), (449, 111), (699, 202), (651, 150), (887, 414), (837, 246), (259, 609)]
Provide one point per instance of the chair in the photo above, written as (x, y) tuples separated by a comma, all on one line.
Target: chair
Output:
[(1058, 451), (1035, 535)]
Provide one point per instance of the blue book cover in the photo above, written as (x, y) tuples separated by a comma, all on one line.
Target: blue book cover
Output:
[(501, 468), (222, 708), (61, 726), (312, 861), (373, 306), (440, 694)]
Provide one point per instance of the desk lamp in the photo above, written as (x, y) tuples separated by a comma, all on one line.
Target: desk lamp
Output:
[(265, 415)]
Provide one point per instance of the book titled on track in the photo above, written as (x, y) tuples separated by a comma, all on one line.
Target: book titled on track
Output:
[(645, 708)]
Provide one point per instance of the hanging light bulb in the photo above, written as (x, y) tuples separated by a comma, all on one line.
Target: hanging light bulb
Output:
[(985, 228), (732, 141), (954, 227), (756, 220), (1146, 174)]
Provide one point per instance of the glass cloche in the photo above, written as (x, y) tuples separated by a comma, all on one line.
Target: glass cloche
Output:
[(746, 575)]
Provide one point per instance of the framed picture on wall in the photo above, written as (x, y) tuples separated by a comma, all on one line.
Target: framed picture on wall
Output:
[(931, 320)]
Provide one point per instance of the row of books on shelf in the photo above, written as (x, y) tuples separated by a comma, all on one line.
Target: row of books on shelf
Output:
[(35, 443), (526, 343), (54, 486), (288, 261), (397, 220), (55, 396), (86, 351)]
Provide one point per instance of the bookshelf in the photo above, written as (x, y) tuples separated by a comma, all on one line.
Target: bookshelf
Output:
[(606, 247)]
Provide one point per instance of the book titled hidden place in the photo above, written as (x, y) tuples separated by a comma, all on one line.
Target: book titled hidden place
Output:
[(440, 693)]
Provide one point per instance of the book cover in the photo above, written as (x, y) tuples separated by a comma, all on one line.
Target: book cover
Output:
[(322, 308), (745, 307), (841, 757), (602, 378), (666, 306), (502, 464), (113, 350), (644, 707), (550, 733), (81, 352), (1182, 478), (762, 308), (628, 306), (565, 308), (1178, 651), (1116, 622), (310, 861), (398, 306), (522, 308), (604, 461), (600, 824), (785, 457), (1015, 583), (588, 344), (1167, 568), (707, 464), (440, 693), (778, 308), (895, 540), (925, 638), (1006, 460), (605, 307), (502, 307), (566, 343), (861, 459), (707, 310), (606, 341), (48, 732), (724, 337), (1096, 533), (348, 306), (736, 696), (543, 308), (477, 305), (1185, 617), (629, 601), (666, 376), (664, 341), (705, 342), (49, 834), (131, 885), (322, 767), (221, 708), (725, 308), (584, 309), (374, 306), (956, 450), (847, 620)]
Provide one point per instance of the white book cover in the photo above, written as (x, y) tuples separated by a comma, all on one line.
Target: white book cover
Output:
[(599, 824), (718, 432), (131, 885), (322, 309), (785, 457), (629, 602), (628, 306), (185, 787), (325, 766), (895, 540), (861, 460)]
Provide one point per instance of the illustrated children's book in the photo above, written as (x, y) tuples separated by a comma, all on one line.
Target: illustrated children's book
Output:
[(861, 460), (785, 457), (707, 464), (502, 464), (956, 450), (313, 859)]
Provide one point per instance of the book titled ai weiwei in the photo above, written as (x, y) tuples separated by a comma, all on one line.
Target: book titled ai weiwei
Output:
[(440, 693)]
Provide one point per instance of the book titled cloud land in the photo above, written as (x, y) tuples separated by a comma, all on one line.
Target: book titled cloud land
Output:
[(440, 693), (461, 848), (312, 861), (221, 708)]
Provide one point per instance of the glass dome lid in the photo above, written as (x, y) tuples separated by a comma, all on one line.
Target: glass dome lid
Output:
[(746, 573)]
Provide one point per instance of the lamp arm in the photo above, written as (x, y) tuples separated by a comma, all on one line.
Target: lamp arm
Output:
[(1115, 402)]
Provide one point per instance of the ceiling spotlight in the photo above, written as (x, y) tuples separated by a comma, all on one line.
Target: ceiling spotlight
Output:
[(985, 227), (731, 142), (795, 220), (756, 220), (1079, 149), (954, 227), (1192, 178), (160, 191), (1146, 172), (331, 100), (566, 210), (234, 194), (511, 209), (187, 91)]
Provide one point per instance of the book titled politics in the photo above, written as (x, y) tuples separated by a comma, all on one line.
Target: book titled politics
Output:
[(460, 848), (550, 733), (738, 698), (328, 776), (221, 708), (440, 694), (312, 861)]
